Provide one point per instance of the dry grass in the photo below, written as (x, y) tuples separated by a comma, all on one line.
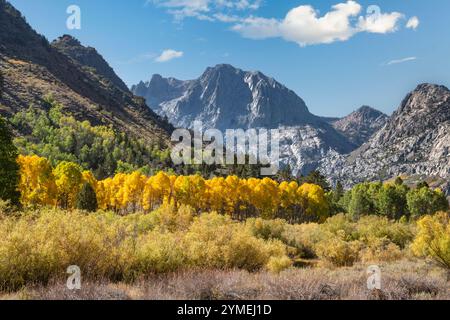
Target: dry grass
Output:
[(404, 280)]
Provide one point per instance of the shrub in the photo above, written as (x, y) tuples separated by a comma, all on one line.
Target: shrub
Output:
[(5, 207), (381, 250), (157, 253), (303, 238), (338, 252), (278, 264), (433, 238), (215, 241), (374, 227), (40, 245), (340, 225), (266, 229), (169, 219)]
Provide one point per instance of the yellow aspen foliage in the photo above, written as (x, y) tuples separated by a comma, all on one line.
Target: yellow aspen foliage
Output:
[(103, 191), (162, 186), (315, 201), (233, 193), (266, 197), (216, 196), (132, 190), (37, 183), (88, 177), (189, 190), (126, 193), (117, 191)]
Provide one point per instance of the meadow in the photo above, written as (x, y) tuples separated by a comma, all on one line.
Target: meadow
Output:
[(170, 251)]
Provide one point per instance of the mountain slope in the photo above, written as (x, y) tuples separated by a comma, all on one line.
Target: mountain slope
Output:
[(88, 57), (225, 97), (360, 125), (31, 68), (414, 141)]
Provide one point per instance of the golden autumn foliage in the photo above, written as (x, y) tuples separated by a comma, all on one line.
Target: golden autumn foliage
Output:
[(39, 246), (37, 182), (433, 238), (127, 193)]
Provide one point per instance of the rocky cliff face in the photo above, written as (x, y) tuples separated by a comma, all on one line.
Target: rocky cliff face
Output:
[(414, 141), (360, 125), (225, 97), (31, 68)]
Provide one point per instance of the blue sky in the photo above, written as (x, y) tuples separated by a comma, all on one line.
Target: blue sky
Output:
[(341, 60)]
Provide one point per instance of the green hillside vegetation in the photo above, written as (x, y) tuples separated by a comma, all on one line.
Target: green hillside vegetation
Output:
[(60, 137)]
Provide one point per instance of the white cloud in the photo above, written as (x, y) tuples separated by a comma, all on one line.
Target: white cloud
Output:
[(401, 60), (303, 25), (258, 28), (168, 55), (227, 18), (413, 23), (205, 9), (380, 22)]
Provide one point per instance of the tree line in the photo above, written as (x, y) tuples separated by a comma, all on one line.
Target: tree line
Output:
[(31, 180)]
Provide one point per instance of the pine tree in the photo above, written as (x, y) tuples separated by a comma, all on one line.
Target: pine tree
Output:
[(398, 181), (9, 168), (87, 199)]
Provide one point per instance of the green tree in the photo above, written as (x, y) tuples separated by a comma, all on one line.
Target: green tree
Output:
[(391, 201), (315, 177), (361, 202), (87, 199), (422, 184), (338, 192), (68, 179), (335, 198), (398, 181), (9, 168), (425, 201)]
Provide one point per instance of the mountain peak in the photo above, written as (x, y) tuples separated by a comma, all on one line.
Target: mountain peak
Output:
[(430, 87), (226, 97), (361, 124), (367, 109), (427, 99), (156, 77), (221, 69), (224, 66)]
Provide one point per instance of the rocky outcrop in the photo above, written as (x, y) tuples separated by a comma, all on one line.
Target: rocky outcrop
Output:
[(414, 142)]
